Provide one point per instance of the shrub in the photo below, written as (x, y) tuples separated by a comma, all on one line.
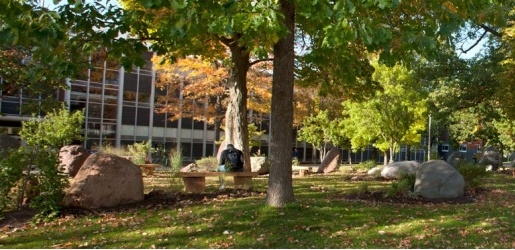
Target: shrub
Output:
[(160, 156), (11, 171), (404, 185), (366, 165), (209, 164), (108, 149), (473, 175), (176, 159), (295, 161), (363, 188), (44, 138), (139, 152)]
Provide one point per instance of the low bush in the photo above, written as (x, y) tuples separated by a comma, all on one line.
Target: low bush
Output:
[(363, 188), (175, 159), (295, 161), (43, 139), (209, 164), (473, 175), (403, 186), (366, 165), (108, 149), (139, 152)]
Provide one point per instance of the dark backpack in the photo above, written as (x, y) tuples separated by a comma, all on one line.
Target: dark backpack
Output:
[(232, 160)]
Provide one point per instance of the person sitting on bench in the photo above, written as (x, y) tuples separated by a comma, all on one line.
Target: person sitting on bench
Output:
[(231, 160)]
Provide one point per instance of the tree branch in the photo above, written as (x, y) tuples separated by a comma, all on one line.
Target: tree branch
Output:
[(491, 30), (261, 60), (475, 44)]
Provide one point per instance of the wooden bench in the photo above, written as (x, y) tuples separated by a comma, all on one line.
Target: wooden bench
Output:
[(148, 169), (303, 170), (195, 182)]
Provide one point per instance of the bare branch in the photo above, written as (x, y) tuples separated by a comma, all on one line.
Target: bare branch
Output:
[(261, 60), (491, 30), (475, 44)]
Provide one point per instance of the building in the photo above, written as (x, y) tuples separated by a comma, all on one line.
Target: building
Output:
[(118, 106), (119, 109)]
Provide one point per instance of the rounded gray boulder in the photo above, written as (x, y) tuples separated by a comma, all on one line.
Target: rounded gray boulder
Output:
[(438, 180), (394, 170)]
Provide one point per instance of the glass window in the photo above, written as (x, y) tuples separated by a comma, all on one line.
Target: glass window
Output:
[(143, 116), (12, 108), (463, 148), (129, 96), (445, 147), (128, 115)]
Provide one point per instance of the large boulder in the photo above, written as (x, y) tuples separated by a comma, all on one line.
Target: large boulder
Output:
[(456, 158), (72, 157), (260, 164), (491, 158), (105, 180), (8, 142), (438, 180), (330, 161), (375, 171), (512, 158), (394, 170)]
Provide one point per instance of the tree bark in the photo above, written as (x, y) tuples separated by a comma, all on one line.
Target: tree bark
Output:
[(280, 184)]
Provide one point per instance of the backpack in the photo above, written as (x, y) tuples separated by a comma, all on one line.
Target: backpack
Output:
[(232, 160)]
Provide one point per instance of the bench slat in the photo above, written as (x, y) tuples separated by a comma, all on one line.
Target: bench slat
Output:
[(203, 174), (196, 181)]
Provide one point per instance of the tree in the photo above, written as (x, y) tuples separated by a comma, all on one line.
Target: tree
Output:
[(204, 28), (194, 88), (54, 45), (280, 183), (392, 117), (323, 131), (346, 31), (316, 130)]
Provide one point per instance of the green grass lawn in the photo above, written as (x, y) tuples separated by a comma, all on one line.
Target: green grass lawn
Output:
[(323, 217)]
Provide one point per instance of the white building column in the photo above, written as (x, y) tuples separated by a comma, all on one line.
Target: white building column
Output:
[(152, 104), (204, 132), (178, 134), (119, 108), (67, 93)]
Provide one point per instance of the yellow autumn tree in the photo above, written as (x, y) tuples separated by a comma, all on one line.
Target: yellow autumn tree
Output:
[(195, 88)]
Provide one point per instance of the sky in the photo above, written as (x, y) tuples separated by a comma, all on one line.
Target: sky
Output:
[(477, 49), (50, 3)]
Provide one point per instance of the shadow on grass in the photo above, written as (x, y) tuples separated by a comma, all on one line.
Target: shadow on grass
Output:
[(330, 212)]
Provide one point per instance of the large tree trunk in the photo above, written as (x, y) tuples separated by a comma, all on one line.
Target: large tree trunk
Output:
[(280, 184), (217, 123), (217, 136), (236, 131)]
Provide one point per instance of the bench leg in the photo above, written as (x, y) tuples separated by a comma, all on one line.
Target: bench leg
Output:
[(303, 172), (194, 184), (242, 182), (147, 170)]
